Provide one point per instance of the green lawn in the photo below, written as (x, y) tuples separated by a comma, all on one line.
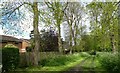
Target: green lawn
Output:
[(59, 63), (66, 62)]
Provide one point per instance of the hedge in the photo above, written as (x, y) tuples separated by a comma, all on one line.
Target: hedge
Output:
[(110, 62), (10, 58)]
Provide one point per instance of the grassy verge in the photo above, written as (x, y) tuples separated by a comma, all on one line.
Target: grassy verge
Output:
[(59, 63), (66, 62)]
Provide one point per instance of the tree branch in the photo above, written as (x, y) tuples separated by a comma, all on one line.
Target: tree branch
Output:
[(12, 11), (117, 3), (28, 3), (65, 7), (49, 5), (17, 8)]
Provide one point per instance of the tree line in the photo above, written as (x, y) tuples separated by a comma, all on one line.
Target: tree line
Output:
[(103, 25)]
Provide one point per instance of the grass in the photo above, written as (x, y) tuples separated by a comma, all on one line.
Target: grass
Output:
[(58, 63), (92, 64), (66, 62), (62, 68), (86, 65)]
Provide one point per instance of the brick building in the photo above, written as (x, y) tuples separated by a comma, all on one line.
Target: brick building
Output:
[(20, 43)]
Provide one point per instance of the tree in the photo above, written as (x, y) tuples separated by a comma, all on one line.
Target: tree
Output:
[(57, 9), (73, 15), (36, 32), (112, 21), (104, 24), (119, 26), (94, 11), (12, 7), (49, 40)]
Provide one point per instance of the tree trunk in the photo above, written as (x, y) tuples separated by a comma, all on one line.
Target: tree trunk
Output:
[(71, 38), (119, 27), (75, 36), (59, 40), (113, 43), (36, 33)]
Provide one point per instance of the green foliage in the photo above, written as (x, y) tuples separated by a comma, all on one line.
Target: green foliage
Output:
[(110, 62), (92, 52), (104, 25), (84, 54), (10, 45), (87, 43), (49, 40), (54, 61), (29, 49), (59, 60), (10, 58)]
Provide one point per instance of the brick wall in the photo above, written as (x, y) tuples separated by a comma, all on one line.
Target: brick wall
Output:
[(17, 44)]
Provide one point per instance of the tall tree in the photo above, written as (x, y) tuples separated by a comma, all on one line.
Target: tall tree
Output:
[(105, 23), (94, 11), (73, 15), (49, 40), (57, 10), (12, 7), (110, 16), (119, 25), (36, 32)]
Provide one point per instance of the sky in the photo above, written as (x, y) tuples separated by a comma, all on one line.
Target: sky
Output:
[(27, 26)]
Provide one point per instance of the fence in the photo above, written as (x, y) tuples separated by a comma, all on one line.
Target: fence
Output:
[(27, 57)]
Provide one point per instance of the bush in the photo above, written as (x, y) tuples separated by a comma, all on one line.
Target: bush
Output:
[(10, 45), (10, 58), (29, 49), (110, 62), (92, 52), (84, 54)]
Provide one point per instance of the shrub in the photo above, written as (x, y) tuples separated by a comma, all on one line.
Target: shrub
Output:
[(10, 45), (29, 49), (84, 54), (10, 58), (24, 60), (110, 62), (92, 52)]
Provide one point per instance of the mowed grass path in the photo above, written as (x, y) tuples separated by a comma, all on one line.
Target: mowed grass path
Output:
[(56, 64), (89, 64), (76, 63)]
